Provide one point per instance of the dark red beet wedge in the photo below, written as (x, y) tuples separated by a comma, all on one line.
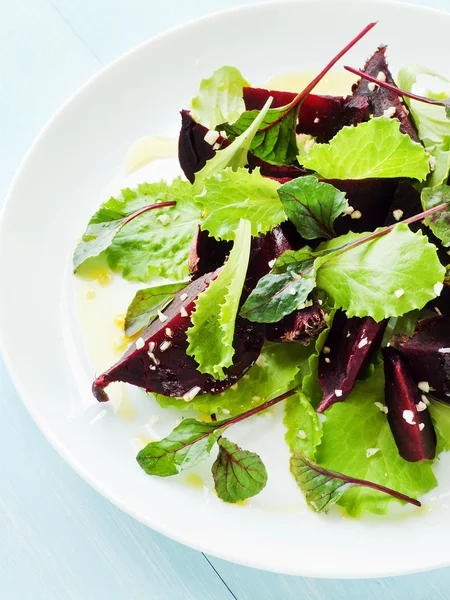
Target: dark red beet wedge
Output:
[(371, 200), (157, 361), (300, 326), (207, 254), (319, 116), (348, 350), (381, 99), (428, 353), (408, 414), (194, 151)]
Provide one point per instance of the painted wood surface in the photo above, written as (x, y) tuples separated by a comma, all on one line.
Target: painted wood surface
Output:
[(59, 539)]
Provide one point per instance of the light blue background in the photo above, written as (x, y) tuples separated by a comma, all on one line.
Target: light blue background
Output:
[(59, 539)]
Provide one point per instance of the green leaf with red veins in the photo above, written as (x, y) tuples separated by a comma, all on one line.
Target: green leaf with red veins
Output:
[(312, 206), (238, 474)]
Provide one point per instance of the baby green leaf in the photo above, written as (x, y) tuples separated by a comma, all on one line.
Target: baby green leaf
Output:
[(188, 444), (303, 428), (323, 488), (440, 414), (312, 206), (373, 149), (220, 98), (234, 155), (118, 212), (146, 303), (280, 293), (233, 195), (439, 223), (383, 277), (238, 474), (275, 140), (211, 335), (357, 440)]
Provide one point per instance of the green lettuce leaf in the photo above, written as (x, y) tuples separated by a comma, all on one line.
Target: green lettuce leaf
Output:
[(233, 195), (147, 302), (156, 242), (440, 414), (303, 428), (275, 140), (284, 289), (439, 223), (220, 98), (357, 440), (309, 369), (235, 155), (212, 332), (382, 278), (432, 122), (273, 373), (238, 474), (373, 149), (323, 487), (312, 206), (187, 445)]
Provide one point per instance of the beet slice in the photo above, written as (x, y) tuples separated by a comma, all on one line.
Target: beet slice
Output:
[(380, 99), (157, 361), (348, 350), (408, 414), (300, 326), (428, 353), (319, 116), (371, 197), (207, 254), (194, 151)]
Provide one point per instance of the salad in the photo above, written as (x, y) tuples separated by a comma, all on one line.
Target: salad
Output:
[(301, 261)]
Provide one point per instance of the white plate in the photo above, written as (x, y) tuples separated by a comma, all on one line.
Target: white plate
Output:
[(50, 201)]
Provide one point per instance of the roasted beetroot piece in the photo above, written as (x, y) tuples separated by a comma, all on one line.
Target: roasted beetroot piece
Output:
[(406, 203), (381, 100), (206, 253), (319, 116), (371, 200), (348, 350), (408, 414), (267, 247), (428, 353), (157, 361), (194, 151), (300, 326)]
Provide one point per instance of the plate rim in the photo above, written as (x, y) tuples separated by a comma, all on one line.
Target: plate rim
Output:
[(26, 399)]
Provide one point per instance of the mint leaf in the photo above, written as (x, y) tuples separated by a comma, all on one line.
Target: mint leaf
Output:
[(147, 302), (439, 223), (233, 195), (272, 374), (279, 293), (188, 444), (376, 148), (323, 488), (383, 277), (304, 431), (212, 332), (238, 474), (357, 440), (234, 155), (275, 140), (220, 98), (115, 214), (312, 206)]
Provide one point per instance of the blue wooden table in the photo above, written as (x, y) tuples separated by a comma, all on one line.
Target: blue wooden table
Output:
[(59, 539)]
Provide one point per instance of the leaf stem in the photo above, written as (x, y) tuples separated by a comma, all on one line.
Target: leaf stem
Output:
[(141, 211), (395, 89), (308, 89)]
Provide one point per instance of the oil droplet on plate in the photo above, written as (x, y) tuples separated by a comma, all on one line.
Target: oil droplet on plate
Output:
[(194, 480), (148, 149)]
